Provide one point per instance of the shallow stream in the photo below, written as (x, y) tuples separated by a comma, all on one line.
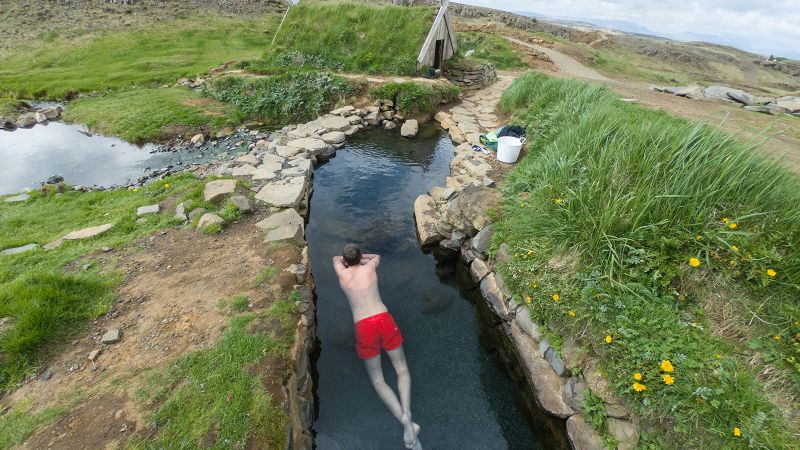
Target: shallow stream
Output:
[(461, 395)]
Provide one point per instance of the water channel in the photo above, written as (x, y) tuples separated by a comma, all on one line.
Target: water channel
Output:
[(461, 395)]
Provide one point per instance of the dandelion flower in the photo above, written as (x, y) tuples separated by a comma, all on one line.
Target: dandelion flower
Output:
[(771, 272), (737, 432), (777, 337), (725, 220), (609, 339), (637, 376), (533, 285), (668, 380), (735, 248), (166, 185), (530, 252), (559, 201), (666, 366), (528, 299), (639, 387), (556, 297), (733, 225), (694, 262), (698, 237), (571, 313), (135, 189)]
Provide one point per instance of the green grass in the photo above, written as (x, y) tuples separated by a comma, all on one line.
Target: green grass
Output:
[(146, 56), (489, 48), (289, 97), (353, 37), (607, 209), (413, 97), (10, 107), (142, 115), (18, 423), (210, 397), (623, 63), (47, 302), (264, 275)]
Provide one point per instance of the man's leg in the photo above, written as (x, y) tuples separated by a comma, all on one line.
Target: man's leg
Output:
[(398, 358), (386, 394)]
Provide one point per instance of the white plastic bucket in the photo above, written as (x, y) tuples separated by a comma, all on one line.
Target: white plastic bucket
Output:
[(508, 148)]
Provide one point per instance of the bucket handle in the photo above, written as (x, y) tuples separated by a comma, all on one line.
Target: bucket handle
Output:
[(522, 140)]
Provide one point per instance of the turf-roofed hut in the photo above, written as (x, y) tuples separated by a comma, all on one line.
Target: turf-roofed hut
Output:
[(359, 37)]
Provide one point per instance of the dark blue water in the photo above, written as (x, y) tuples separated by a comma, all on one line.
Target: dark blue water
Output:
[(461, 396)]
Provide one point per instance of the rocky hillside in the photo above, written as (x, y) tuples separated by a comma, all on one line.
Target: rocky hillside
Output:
[(25, 20)]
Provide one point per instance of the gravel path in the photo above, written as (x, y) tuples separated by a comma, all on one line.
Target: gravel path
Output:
[(565, 64)]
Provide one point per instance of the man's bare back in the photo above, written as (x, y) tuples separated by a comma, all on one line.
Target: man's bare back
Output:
[(360, 285)]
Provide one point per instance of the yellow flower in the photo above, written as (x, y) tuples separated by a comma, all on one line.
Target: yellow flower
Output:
[(735, 248), (609, 339), (559, 201), (733, 226), (533, 285), (528, 299), (639, 387), (666, 366), (737, 432), (556, 297), (530, 252), (571, 313), (771, 272), (522, 205), (668, 380), (694, 262), (637, 376), (135, 189), (777, 337), (166, 185), (725, 220), (698, 237)]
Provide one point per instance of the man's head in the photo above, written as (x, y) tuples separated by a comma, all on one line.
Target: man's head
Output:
[(351, 255)]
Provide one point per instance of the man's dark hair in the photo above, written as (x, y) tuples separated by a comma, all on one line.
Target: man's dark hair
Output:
[(351, 255)]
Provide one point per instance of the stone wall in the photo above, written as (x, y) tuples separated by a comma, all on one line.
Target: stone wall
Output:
[(299, 391), (471, 77)]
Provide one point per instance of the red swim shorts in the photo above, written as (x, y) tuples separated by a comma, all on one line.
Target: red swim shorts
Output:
[(376, 332)]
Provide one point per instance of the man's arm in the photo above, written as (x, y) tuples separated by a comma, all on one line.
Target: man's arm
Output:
[(338, 264), (371, 259)]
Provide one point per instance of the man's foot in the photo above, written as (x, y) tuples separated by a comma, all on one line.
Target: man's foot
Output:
[(410, 433)]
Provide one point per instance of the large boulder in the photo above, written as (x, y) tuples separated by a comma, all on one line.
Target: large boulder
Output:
[(409, 129), (427, 218), (26, 120), (469, 211), (209, 219), (582, 436), (283, 218), (336, 123), (282, 195), (87, 233), (334, 137), (218, 189), (7, 123), (791, 104), (313, 145), (625, 432), (198, 139)]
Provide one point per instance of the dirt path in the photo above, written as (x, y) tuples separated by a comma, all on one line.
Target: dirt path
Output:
[(564, 64)]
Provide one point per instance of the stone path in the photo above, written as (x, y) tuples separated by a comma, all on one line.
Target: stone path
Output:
[(563, 63)]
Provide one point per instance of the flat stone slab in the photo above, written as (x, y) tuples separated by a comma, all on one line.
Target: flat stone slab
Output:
[(17, 198), (313, 145), (244, 170), (18, 250), (492, 293), (265, 172), (268, 158), (286, 151), (334, 137), (291, 232), (469, 127), (218, 189), (247, 159), (409, 129), (582, 436), (242, 203), (425, 215), (336, 123), (209, 219), (111, 337), (149, 209), (478, 270), (281, 195), (87, 233), (285, 217), (94, 354)]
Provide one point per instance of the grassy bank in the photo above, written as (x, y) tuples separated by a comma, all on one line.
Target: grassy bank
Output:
[(412, 97), (144, 56), (46, 298), (142, 115), (352, 37), (489, 48), (647, 239)]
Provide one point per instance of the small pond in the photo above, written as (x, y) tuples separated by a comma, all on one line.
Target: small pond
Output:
[(461, 395)]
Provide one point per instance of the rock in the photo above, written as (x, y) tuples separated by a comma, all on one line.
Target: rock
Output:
[(720, 92), (371, 118), (409, 129), (488, 182), (7, 123), (441, 116), (287, 151), (94, 354), (741, 97), (440, 194), (111, 336), (527, 325), (283, 218), (55, 179), (353, 130), (291, 232), (482, 240), (87, 233), (26, 120), (426, 217), (273, 160), (344, 110), (759, 109), (448, 123), (18, 250), (198, 140), (6, 323), (218, 189), (503, 254), (600, 385), (267, 171), (242, 203), (245, 170), (336, 123), (573, 393), (209, 219), (547, 386), (555, 362), (197, 212), (457, 136), (477, 168), (389, 125), (334, 137), (478, 270), (47, 375), (247, 159), (469, 211), (282, 195), (313, 145), (624, 431), (494, 296), (388, 115), (617, 411), (53, 245), (474, 138), (299, 271), (149, 209), (582, 436), (17, 198), (305, 166), (51, 113), (790, 103)]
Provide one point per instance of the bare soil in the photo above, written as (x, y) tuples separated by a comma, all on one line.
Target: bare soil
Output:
[(166, 306)]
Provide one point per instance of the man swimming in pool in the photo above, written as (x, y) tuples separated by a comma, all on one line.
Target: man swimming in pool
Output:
[(375, 329)]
